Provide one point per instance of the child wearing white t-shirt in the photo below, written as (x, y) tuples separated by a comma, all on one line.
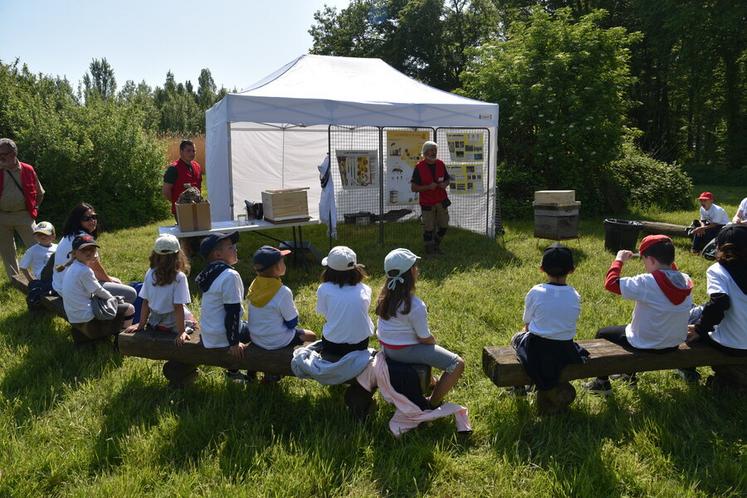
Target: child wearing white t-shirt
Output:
[(343, 299), (165, 291), (551, 311), (712, 219), (80, 284), (723, 318), (403, 324), (741, 216), (662, 303), (36, 257)]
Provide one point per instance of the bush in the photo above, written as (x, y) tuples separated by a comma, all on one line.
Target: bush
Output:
[(562, 89), (645, 181), (96, 152)]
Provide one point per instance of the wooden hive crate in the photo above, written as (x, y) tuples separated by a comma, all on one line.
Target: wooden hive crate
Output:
[(285, 204)]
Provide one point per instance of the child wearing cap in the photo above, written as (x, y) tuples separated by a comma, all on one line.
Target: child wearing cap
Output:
[(662, 303), (722, 320), (273, 316), (551, 311), (222, 291), (430, 179), (165, 291), (403, 324), (343, 299), (712, 219), (80, 283), (36, 257)]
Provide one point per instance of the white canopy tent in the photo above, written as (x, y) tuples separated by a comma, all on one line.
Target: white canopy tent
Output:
[(274, 134)]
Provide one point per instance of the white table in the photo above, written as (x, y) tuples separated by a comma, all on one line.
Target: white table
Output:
[(296, 245)]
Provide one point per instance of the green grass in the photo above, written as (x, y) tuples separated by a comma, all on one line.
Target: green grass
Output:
[(84, 421)]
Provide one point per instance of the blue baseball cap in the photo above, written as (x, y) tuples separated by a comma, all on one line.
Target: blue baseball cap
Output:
[(208, 243), (266, 256)]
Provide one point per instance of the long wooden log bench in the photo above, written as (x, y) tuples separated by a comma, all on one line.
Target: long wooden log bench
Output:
[(655, 227), (81, 333), (503, 368)]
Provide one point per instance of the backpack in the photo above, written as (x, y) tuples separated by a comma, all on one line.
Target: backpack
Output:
[(42, 287)]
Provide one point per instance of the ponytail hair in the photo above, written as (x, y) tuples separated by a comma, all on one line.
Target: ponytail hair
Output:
[(166, 266), (396, 291), (70, 261)]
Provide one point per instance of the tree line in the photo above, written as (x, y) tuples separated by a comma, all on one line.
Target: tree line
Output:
[(582, 84)]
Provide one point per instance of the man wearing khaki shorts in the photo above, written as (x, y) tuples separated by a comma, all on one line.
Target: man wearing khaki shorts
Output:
[(430, 180), (20, 196)]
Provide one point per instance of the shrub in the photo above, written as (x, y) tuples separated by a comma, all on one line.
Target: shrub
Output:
[(645, 181), (96, 153)]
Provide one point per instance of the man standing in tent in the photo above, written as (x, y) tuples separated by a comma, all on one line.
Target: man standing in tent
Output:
[(430, 180), (182, 174), (20, 196)]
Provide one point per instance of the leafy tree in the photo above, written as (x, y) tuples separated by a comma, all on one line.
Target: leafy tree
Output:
[(206, 89), (562, 88), (99, 82), (425, 39)]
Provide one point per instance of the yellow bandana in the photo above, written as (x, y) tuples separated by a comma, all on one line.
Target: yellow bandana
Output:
[(263, 289)]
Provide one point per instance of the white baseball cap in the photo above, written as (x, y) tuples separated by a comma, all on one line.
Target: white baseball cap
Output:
[(166, 244), (399, 260), (44, 227), (341, 258)]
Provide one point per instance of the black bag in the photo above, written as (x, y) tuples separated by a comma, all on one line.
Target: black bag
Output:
[(38, 289)]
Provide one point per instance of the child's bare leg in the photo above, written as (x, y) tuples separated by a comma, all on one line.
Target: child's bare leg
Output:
[(129, 313), (446, 382)]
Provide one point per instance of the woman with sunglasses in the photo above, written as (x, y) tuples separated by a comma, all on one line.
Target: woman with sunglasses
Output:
[(84, 220)]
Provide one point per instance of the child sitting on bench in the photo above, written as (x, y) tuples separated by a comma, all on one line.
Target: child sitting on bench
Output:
[(273, 316), (551, 311), (723, 318), (403, 324), (344, 300), (222, 292), (662, 303), (165, 291)]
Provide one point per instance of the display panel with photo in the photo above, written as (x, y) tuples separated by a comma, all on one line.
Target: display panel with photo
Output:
[(403, 153), (358, 168)]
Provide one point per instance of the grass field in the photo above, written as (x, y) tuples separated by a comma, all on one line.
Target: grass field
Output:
[(84, 421)]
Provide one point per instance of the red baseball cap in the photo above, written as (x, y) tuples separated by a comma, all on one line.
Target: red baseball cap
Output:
[(705, 196), (651, 240)]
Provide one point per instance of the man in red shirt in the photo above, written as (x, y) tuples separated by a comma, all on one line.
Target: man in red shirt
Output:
[(182, 174), (430, 180), (21, 194)]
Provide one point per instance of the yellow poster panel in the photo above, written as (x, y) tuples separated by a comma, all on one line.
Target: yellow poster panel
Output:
[(403, 153), (465, 146), (465, 178)]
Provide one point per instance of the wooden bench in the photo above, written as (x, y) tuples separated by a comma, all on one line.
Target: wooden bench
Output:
[(182, 361), (502, 367), (655, 227), (81, 333)]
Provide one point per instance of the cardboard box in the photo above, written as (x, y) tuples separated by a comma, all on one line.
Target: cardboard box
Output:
[(285, 204), (560, 197), (194, 217)]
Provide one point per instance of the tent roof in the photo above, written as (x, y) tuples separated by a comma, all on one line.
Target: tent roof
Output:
[(317, 89)]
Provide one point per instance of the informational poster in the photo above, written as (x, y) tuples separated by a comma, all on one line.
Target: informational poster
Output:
[(465, 146), (358, 168), (465, 178), (403, 153)]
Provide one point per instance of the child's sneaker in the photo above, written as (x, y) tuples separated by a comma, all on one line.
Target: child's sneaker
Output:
[(271, 378), (237, 377), (630, 379), (689, 375), (601, 387), (518, 391)]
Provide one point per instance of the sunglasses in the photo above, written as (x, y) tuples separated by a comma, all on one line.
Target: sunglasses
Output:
[(93, 217)]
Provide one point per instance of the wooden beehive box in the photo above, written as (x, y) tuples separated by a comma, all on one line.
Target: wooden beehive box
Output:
[(285, 204), (556, 197)]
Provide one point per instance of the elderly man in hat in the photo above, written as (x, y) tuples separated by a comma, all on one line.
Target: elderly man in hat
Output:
[(430, 180), (20, 197)]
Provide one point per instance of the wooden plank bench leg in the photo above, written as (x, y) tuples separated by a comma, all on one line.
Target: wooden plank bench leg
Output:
[(729, 376), (179, 374), (555, 400), (359, 401)]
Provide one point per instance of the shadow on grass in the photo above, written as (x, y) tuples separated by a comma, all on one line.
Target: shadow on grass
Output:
[(252, 431), (686, 426), (49, 360)]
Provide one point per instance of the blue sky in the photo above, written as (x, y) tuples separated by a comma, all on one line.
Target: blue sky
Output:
[(239, 41)]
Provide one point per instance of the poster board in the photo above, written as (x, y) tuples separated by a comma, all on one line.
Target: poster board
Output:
[(358, 168), (465, 147), (403, 153), (465, 178)]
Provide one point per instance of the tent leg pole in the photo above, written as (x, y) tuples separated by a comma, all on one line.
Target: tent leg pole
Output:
[(381, 185)]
